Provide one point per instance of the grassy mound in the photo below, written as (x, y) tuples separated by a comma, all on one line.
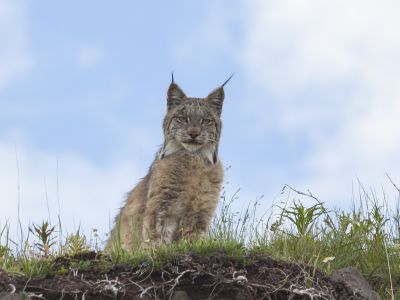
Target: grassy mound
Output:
[(216, 276), (290, 251)]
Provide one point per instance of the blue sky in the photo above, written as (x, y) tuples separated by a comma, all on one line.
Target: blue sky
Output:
[(314, 102)]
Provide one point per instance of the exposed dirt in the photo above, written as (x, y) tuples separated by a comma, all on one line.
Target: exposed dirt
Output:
[(186, 277)]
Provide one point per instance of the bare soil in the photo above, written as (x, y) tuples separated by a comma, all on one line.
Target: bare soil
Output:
[(187, 276)]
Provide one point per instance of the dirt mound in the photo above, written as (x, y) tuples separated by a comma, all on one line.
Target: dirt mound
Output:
[(186, 277)]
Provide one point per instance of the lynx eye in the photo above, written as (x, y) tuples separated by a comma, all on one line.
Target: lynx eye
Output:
[(206, 121), (181, 119)]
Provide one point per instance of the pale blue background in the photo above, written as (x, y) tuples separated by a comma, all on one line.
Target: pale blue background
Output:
[(314, 103)]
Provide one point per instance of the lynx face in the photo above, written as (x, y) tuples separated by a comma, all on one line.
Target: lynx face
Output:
[(193, 124)]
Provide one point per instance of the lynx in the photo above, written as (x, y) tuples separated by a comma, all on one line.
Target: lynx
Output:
[(178, 196)]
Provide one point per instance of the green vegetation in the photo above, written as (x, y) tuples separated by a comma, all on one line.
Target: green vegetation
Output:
[(367, 236)]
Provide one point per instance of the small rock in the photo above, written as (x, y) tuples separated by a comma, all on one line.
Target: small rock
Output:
[(8, 296), (180, 295), (354, 280)]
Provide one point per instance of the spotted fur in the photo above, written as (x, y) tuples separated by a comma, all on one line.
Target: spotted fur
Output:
[(178, 196)]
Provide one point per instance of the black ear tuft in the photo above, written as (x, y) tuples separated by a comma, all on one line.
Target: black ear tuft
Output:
[(216, 99), (226, 81), (175, 96)]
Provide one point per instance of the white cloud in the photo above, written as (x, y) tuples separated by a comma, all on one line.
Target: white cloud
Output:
[(15, 58), (295, 43), (88, 194), (347, 52), (209, 38)]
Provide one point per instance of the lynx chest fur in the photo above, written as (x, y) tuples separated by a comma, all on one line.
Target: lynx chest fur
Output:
[(178, 196)]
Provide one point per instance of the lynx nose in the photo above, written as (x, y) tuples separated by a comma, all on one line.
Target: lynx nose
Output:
[(193, 132)]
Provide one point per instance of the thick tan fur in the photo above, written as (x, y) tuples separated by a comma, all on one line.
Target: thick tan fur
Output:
[(178, 197)]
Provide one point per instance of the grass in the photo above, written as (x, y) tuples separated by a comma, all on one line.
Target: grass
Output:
[(367, 236)]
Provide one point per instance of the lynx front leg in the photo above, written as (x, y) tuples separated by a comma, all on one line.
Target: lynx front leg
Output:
[(161, 220), (148, 229), (192, 229), (162, 231), (190, 235), (196, 224), (151, 231)]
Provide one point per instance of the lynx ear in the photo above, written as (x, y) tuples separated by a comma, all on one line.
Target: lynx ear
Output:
[(175, 96), (216, 99)]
